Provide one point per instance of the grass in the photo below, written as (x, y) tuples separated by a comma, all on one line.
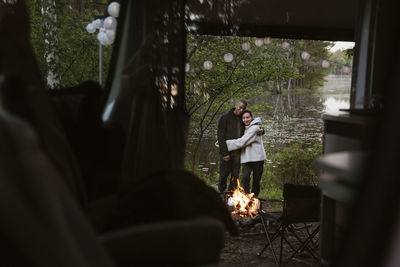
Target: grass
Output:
[(271, 193)]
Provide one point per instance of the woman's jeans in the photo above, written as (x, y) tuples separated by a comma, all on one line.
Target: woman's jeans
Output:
[(257, 169)]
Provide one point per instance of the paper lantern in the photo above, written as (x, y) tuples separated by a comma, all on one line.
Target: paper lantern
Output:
[(259, 42), (267, 40), (305, 55), (346, 69), (207, 65), (98, 23), (90, 28), (110, 23), (246, 46), (113, 9), (228, 57), (325, 64), (285, 45), (187, 67)]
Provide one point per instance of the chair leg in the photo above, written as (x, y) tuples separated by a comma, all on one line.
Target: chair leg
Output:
[(313, 243), (281, 249), (308, 247), (310, 250), (304, 245), (269, 243)]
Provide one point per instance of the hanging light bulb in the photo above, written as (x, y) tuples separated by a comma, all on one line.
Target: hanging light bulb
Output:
[(90, 28), (259, 42), (228, 57), (246, 46), (113, 9), (285, 45), (305, 55), (267, 40), (207, 65), (110, 23), (325, 64), (346, 69)]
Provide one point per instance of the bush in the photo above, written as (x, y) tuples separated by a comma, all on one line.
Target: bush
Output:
[(292, 164)]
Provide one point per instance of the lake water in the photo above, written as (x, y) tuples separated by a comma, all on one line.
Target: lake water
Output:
[(292, 117)]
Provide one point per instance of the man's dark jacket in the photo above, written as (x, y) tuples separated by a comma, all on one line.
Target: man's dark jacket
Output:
[(230, 126)]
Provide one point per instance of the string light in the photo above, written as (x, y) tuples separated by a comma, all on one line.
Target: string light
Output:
[(267, 40), (228, 57), (246, 46), (305, 55), (325, 64), (113, 9), (207, 65), (259, 42), (285, 45)]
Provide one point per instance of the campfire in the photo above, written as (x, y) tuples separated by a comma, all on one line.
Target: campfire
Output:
[(243, 205)]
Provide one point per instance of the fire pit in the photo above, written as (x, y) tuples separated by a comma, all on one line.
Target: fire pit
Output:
[(244, 209), (241, 204)]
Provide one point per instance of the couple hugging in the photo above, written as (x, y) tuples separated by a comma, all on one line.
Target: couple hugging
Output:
[(240, 142)]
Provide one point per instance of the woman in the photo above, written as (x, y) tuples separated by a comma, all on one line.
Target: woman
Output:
[(252, 155)]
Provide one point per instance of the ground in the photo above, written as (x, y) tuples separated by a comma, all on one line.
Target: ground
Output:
[(242, 250)]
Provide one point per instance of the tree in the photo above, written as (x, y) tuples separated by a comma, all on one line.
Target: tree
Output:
[(49, 20), (340, 59), (77, 49), (208, 91), (312, 71)]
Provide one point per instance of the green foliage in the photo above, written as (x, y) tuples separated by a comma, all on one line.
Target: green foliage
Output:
[(271, 193), (265, 68), (78, 50), (312, 69), (339, 59), (241, 78), (292, 164)]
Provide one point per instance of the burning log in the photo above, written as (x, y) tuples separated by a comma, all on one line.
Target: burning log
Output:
[(243, 204)]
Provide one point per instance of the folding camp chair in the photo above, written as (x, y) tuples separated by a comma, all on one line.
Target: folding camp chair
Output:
[(301, 208)]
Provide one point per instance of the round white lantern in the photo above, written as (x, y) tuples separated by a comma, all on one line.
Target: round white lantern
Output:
[(325, 64), (110, 35), (305, 55), (102, 37), (285, 45), (90, 28), (346, 69), (228, 57), (187, 67), (267, 40), (110, 23), (207, 65), (98, 23), (113, 9), (259, 42), (246, 46)]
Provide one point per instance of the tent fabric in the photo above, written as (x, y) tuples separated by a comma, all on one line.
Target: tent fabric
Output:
[(155, 74), (17, 58), (41, 224)]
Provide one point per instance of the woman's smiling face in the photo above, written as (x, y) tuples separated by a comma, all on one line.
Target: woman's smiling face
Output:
[(247, 118)]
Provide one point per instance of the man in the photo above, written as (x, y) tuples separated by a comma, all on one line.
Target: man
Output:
[(230, 126)]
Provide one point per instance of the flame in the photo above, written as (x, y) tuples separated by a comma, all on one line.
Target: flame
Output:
[(244, 204)]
